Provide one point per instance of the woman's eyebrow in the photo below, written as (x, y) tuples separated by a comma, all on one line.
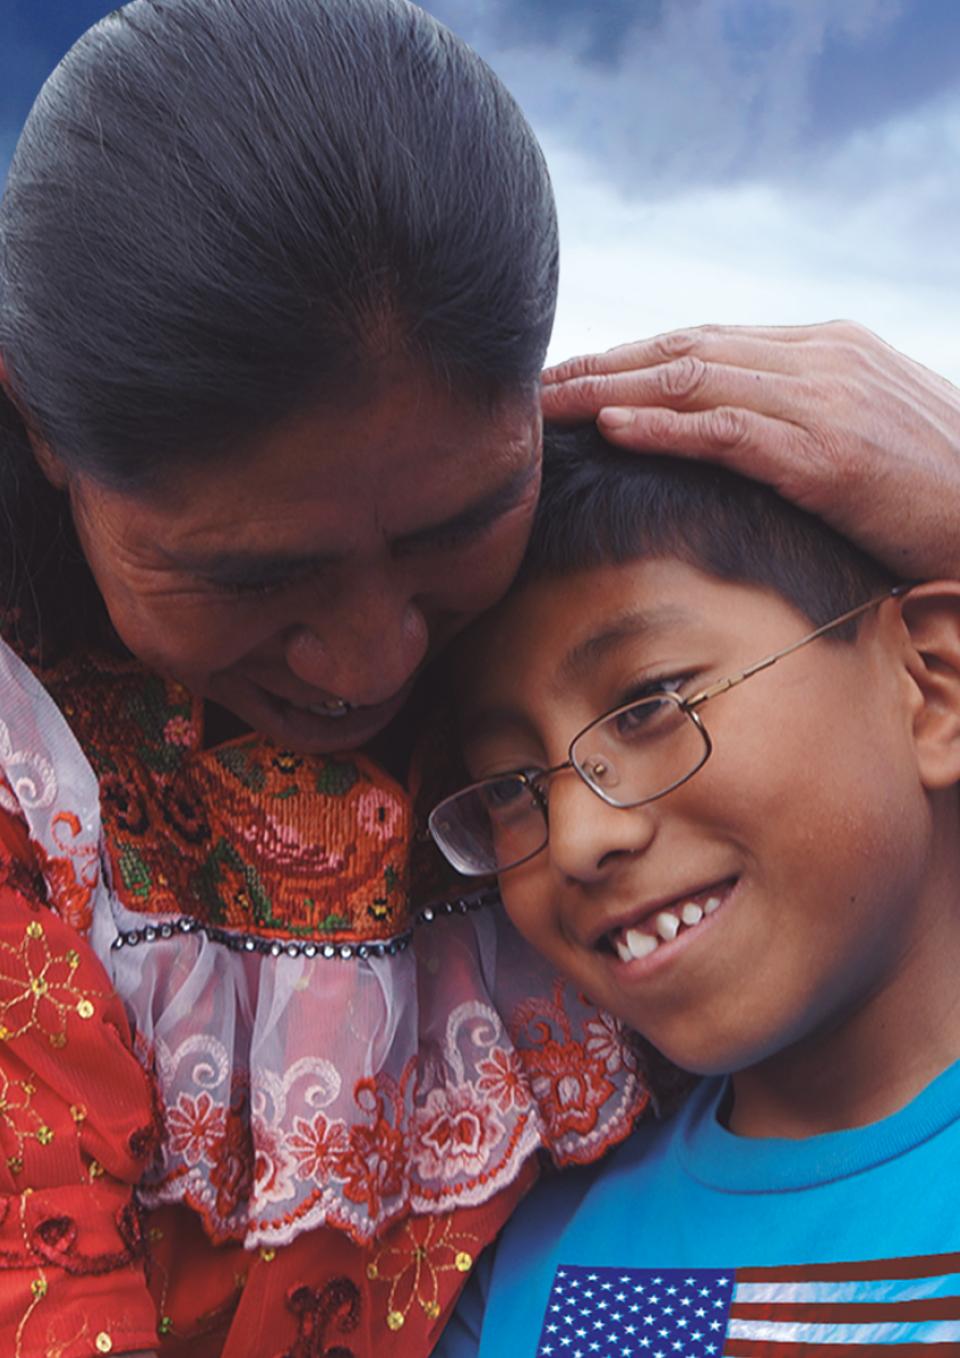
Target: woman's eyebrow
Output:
[(233, 567), (481, 513)]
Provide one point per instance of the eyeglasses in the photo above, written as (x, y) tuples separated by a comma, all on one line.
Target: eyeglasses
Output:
[(630, 756)]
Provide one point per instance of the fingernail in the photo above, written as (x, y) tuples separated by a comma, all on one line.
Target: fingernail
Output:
[(615, 418)]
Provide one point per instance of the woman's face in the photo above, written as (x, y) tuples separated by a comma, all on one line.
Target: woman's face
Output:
[(329, 563)]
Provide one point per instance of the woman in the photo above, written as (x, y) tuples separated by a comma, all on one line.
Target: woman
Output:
[(276, 280)]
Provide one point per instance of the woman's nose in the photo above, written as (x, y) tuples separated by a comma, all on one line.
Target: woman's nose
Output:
[(589, 838), (365, 654)]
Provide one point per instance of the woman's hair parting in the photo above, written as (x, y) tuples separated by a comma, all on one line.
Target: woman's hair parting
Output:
[(601, 506)]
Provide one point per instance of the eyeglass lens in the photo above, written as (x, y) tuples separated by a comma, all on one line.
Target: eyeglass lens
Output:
[(633, 755), (639, 752), (491, 826)]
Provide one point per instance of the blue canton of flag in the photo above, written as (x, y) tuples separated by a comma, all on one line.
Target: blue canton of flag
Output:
[(636, 1313)]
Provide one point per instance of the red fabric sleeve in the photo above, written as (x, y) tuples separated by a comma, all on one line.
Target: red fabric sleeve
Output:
[(77, 1127)]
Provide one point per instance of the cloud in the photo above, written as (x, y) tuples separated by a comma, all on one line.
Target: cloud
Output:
[(740, 160), (769, 253), (743, 160), (712, 91)]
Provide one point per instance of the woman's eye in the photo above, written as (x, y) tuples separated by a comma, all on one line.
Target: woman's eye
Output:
[(248, 588), (266, 585)]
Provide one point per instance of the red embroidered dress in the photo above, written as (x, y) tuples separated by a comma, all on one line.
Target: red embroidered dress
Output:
[(217, 1004)]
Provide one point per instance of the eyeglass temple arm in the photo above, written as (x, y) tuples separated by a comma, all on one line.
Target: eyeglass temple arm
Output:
[(732, 680)]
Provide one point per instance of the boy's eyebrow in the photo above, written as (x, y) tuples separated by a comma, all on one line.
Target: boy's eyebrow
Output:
[(626, 626), (579, 660)]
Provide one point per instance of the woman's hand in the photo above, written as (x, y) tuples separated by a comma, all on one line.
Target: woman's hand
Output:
[(829, 415)]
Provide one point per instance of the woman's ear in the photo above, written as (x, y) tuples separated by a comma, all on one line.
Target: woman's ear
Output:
[(51, 465), (931, 616)]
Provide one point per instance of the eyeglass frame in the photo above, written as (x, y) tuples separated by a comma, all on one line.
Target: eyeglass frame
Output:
[(688, 706)]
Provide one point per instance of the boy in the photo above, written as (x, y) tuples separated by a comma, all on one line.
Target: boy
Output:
[(748, 738)]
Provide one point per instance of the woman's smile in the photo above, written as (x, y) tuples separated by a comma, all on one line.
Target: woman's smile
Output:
[(374, 584)]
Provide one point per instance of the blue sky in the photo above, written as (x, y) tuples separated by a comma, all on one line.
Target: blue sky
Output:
[(768, 160)]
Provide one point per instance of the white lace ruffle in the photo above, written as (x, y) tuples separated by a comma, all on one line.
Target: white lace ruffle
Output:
[(302, 1091)]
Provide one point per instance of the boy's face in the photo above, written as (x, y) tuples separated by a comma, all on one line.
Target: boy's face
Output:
[(803, 838)]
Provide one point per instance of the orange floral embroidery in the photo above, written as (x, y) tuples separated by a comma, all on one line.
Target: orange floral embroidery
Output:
[(245, 837), (71, 878)]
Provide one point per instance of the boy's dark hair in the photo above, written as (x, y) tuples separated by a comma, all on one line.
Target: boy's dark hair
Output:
[(222, 211), (601, 506)]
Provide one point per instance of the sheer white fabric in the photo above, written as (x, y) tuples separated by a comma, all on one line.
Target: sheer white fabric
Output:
[(302, 1091)]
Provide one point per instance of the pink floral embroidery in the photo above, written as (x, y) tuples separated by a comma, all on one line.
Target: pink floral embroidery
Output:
[(194, 1126), (502, 1078), (454, 1133), (317, 1146), (287, 847), (379, 814), (179, 731)]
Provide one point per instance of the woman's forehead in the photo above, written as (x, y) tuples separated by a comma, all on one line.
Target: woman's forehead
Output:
[(403, 468)]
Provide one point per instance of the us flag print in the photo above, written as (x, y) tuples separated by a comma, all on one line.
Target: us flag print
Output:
[(894, 1307)]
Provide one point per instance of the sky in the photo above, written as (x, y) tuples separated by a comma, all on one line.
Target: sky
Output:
[(741, 161)]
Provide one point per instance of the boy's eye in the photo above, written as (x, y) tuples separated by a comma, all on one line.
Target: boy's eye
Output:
[(649, 688), (501, 793), (642, 714), (649, 720)]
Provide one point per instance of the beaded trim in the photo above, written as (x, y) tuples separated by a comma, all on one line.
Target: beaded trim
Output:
[(272, 947)]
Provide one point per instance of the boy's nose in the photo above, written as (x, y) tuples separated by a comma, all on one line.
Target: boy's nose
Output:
[(589, 838)]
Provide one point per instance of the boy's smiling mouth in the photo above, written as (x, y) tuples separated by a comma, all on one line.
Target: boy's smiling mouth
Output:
[(658, 924)]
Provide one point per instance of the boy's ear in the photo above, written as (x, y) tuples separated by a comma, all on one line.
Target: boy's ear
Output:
[(931, 615)]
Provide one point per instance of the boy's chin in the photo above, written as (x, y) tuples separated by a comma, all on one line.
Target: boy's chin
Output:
[(701, 1054)]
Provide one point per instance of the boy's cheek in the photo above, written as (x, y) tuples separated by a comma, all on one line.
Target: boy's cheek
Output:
[(527, 899)]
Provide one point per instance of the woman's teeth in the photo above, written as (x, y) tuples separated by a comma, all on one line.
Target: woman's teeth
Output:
[(634, 943)]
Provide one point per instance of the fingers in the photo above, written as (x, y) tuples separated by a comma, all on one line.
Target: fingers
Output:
[(760, 347), (770, 450), (687, 383)]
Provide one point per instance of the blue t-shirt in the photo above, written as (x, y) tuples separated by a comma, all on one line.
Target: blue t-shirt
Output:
[(690, 1242)]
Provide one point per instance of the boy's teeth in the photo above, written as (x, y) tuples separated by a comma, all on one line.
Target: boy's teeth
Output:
[(640, 944), (631, 944), (667, 925), (623, 950)]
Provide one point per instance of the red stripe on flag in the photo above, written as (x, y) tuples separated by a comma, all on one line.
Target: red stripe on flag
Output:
[(849, 1312), (769, 1348), (869, 1270)]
